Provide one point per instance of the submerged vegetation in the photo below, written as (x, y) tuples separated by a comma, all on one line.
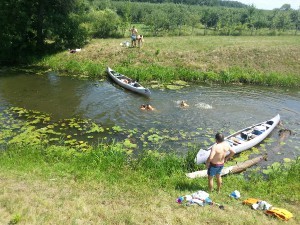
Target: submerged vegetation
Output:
[(29, 127)]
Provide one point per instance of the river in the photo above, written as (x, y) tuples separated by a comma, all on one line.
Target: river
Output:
[(211, 108)]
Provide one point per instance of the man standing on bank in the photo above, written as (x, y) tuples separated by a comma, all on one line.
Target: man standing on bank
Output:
[(217, 158), (134, 33)]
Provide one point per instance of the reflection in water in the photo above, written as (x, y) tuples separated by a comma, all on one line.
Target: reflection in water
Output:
[(216, 108)]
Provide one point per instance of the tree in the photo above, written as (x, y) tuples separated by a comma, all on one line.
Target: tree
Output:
[(26, 25), (285, 7), (210, 19), (157, 20), (282, 20), (248, 17), (295, 19), (104, 23)]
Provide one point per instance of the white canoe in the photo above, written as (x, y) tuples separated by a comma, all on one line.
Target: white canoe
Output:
[(244, 139), (131, 85)]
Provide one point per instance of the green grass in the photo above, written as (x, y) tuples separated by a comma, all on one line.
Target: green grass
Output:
[(106, 184), (260, 60), (55, 185)]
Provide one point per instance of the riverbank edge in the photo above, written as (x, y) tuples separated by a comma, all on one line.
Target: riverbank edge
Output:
[(167, 75), (220, 60), (108, 180)]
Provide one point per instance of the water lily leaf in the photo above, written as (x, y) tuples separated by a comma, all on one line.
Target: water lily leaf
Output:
[(95, 128), (173, 87), (287, 160), (154, 138), (117, 128), (271, 168), (180, 82), (155, 86), (128, 144), (174, 138)]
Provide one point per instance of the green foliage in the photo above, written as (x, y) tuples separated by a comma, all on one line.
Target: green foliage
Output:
[(189, 161), (33, 28), (279, 178), (198, 2), (113, 163), (103, 23), (70, 34), (157, 165), (40, 27), (15, 220)]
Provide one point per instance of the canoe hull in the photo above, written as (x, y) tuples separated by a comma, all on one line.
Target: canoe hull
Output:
[(117, 78), (202, 155)]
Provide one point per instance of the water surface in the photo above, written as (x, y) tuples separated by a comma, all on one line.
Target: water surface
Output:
[(211, 108)]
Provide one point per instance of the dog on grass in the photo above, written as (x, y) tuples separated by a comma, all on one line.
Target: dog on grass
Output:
[(140, 40)]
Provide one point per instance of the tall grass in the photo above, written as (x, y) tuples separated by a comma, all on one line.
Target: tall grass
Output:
[(105, 161), (55, 185), (250, 60)]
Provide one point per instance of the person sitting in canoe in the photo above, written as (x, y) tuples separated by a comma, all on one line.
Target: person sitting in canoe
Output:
[(134, 83), (125, 81)]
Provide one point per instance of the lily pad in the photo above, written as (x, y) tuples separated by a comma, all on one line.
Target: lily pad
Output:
[(180, 82), (173, 87)]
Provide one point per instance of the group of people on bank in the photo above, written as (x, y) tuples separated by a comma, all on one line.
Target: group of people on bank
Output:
[(136, 39)]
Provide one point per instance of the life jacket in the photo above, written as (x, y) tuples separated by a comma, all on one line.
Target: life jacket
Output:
[(281, 214)]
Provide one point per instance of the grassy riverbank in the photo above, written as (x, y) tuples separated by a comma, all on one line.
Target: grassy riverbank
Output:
[(257, 60), (55, 185)]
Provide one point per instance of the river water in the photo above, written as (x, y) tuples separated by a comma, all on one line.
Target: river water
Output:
[(211, 108)]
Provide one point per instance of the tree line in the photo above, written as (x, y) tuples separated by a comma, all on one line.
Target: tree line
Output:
[(37, 27), (225, 3)]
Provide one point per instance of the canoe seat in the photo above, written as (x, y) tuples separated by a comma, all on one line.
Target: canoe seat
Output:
[(232, 143), (245, 135), (252, 136), (267, 126), (237, 140)]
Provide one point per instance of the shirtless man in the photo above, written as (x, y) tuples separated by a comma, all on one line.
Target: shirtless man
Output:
[(134, 34), (217, 158)]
